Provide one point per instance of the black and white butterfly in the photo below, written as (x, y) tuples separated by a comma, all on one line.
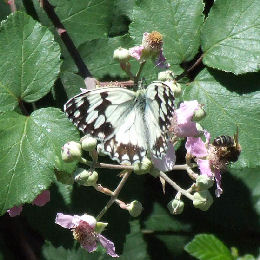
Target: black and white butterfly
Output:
[(129, 125)]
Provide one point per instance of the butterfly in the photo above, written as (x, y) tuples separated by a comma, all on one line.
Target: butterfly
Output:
[(130, 125)]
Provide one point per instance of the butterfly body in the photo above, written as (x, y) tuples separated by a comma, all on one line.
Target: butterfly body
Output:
[(129, 125)]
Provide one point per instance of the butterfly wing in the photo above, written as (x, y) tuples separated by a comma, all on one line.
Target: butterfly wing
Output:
[(158, 113), (110, 115)]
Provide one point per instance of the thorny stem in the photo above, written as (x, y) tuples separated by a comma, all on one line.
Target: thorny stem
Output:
[(128, 83), (175, 186), (114, 195), (12, 5), (198, 61), (126, 167), (22, 107), (108, 192), (82, 68)]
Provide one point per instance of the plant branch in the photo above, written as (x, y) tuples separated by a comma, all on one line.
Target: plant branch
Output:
[(175, 186), (197, 63), (82, 68), (22, 107), (114, 195), (12, 5)]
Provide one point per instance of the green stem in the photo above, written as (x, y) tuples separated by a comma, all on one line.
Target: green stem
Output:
[(175, 186)]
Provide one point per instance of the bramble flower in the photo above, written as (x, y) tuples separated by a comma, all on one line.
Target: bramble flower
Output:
[(40, 201), (206, 158), (84, 232), (151, 47), (182, 124), (167, 162), (15, 211)]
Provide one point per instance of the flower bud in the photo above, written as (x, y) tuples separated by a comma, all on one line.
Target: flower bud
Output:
[(89, 143), (175, 87), (202, 200), (155, 172), (165, 75), (199, 114), (135, 208), (203, 182), (86, 177), (144, 167), (121, 54), (100, 226), (176, 206), (71, 151)]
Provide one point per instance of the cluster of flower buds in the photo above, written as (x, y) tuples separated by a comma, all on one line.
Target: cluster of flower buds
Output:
[(151, 48)]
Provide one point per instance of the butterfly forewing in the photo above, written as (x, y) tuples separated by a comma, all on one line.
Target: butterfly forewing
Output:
[(158, 113)]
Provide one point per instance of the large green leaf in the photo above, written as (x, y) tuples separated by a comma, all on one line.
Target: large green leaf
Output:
[(208, 247), (29, 152), (227, 109), (179, 21), (29, 58), (231, 36), (84, 19)]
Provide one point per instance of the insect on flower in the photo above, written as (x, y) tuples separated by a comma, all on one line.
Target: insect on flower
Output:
[(227, 148)]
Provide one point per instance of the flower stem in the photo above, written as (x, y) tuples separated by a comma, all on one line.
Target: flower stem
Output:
[(175, 186), (114, 195), (136, 78)]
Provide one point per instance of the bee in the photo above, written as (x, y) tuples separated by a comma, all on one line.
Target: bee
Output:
[(227, 148)]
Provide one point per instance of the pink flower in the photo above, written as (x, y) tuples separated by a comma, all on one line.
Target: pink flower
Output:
[(151, 47), (205, 158), (136, 52), (205, 169), (182, 124), (15, 211), (83, 228), (42, 199), (168, 160)]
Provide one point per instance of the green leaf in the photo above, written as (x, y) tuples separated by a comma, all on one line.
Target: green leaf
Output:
[(60, 253), (135, 246), (178, 21), (231, 36), (72, 83), (29, 152), (208, 247), (30, 60), (227, 110), (84, 20)]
